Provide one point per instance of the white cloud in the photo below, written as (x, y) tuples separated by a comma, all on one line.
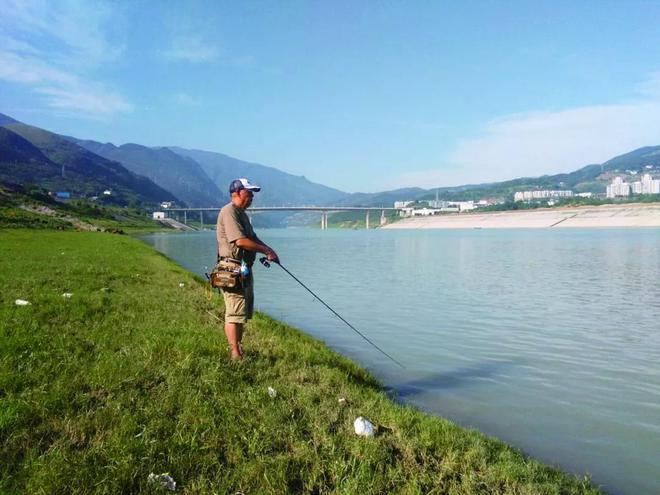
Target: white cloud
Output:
[(53, 47), (86, 100), (191, 48), (540, 143), (187, 100)]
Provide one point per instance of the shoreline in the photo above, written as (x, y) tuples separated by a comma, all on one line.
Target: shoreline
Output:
[(112, 376), (633, 215)]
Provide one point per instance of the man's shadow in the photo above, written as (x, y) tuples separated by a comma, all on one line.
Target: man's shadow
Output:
[(453, 379)]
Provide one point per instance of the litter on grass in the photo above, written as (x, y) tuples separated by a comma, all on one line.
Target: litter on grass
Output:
[(21, 302), (272, 392), (363, 427), (342, 400), (67, 295), (164, 479), (181, 284)]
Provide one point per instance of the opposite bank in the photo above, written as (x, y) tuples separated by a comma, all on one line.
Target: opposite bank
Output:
[(606, 216)]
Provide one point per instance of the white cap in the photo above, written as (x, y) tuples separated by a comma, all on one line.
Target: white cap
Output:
[(242, 183)]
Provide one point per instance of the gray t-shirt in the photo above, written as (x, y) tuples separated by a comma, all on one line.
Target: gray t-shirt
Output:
[(234, 224)]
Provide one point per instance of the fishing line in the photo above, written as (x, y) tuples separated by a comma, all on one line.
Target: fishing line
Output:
[(266, 263)]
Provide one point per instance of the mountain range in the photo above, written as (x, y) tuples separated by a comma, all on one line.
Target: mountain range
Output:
[(197, 178), (30, 155)]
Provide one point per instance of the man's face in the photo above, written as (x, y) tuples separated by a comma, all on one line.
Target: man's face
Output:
[(243, 198)]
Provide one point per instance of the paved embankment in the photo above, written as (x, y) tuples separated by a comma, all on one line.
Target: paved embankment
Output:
[(629, 215)]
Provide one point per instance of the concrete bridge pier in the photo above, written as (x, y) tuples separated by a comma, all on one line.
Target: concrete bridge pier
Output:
[(185, 217), (383, 219), (366, 221), (324, 220), (201, 219)]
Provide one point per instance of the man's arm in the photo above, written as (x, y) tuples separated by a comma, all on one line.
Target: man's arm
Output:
[(258, 247)]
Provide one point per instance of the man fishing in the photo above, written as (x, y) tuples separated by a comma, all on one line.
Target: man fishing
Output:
[(238, 246)]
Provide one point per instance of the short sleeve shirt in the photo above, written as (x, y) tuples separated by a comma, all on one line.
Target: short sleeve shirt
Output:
[(234, 224)]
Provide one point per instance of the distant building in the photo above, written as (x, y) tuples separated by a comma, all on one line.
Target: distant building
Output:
[(63, 195), (584, 194), (158, 215), (618, 188), (107, 192), (463, 205), (647, 185), (166, 204), (542, 194), (400, 204), (425, 212)]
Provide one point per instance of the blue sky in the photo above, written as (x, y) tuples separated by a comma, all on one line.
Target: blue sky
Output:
[(362, 96)]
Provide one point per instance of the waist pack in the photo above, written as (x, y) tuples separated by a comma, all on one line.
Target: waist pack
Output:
[(226, 276)]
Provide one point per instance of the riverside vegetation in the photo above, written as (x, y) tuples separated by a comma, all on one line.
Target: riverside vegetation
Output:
[(129, 376)]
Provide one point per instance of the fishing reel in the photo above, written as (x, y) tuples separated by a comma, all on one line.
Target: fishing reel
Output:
[(264, 261)]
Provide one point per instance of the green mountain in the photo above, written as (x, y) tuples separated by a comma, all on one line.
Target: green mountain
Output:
[(280, 188), (637, 160), (32, 155), (22, 161), (386, 198), (181, 175)]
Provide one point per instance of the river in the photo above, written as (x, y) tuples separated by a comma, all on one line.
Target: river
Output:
[(546, 339)]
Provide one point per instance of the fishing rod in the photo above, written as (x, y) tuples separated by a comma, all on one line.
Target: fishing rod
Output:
[(264, 261)]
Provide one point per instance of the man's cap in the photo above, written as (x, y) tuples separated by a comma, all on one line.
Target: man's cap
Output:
[(242, 183)]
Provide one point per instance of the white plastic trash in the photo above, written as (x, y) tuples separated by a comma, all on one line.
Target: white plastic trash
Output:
[(67, 295), (272, 392), (342, 400), (21, 302), (164, 479), (363, 427), (181, 284)]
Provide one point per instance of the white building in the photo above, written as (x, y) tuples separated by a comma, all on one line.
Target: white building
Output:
[(424, 212), (618, 188), (543, 194), (646, 186), (107, 192), (453, 205), (463, 205), (158, 215)]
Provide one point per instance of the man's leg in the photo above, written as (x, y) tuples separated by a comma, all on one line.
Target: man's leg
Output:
[(234, 333)]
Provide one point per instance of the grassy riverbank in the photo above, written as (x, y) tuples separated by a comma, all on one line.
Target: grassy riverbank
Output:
[(129, 376)]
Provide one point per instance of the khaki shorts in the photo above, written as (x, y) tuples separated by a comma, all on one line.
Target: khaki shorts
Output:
[(239, 303)]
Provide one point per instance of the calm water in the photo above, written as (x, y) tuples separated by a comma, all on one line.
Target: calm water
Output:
[(547, 339)]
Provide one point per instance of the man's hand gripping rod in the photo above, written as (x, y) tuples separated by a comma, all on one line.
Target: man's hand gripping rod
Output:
[(264, 261)]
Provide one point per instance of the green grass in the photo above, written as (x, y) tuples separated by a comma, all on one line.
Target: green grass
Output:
[(130, 376)]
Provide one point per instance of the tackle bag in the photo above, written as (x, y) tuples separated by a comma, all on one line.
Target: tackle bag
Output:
[(225, 276)]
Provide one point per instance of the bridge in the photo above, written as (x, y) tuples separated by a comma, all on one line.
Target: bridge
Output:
[(323, 209)]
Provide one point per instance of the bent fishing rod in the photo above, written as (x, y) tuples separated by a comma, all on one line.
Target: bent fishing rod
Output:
[(264, 261)]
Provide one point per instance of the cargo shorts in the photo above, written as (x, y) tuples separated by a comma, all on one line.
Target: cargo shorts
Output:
[(239, 302)]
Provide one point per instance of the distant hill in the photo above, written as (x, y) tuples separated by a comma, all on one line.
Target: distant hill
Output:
[(280, 188), (200, 178), (181, 175), (590, 178), (636, 160), (386, 198), (32, 155), (22, 161)]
